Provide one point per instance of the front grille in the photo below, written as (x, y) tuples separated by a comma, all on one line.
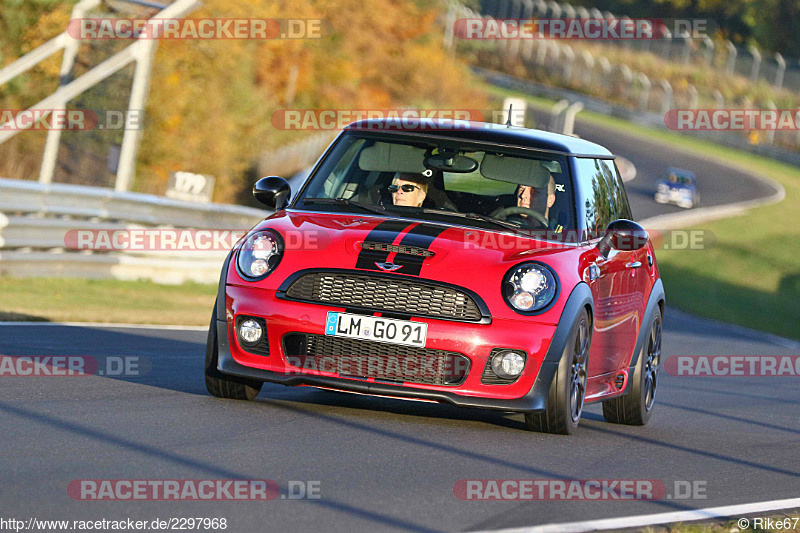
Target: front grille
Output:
[(380, 294), (396, 248), (367, 359)]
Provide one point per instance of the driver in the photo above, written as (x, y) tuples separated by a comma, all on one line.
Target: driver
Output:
[(531, 197), (409, 189)]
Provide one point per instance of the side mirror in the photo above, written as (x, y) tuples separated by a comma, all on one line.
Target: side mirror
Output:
[(272, 191), (623, 235)]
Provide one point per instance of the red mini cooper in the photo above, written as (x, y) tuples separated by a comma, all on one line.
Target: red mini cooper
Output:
[(474, 264)]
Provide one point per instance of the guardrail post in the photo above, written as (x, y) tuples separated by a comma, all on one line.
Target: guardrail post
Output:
[(569, 117), (605, 68), (644, 97), (694, 97), (555, 115), (732, 53), (627, 78), (569, 60), (449, 30), (718, 99), (756, 63), (666, 101), (555, 10), (687, 47), (709, 51), (588, 73), (780, 72), (771, 133)]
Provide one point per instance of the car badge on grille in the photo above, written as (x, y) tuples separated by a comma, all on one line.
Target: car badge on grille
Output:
[(388, 267)]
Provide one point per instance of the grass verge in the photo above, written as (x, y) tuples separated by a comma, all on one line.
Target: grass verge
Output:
[(83, 300), (751, 276)]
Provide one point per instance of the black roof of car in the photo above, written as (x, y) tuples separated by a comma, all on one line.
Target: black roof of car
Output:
[(484, 132)]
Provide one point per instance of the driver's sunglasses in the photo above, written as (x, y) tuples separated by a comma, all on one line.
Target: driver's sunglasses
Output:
[(407, 187)]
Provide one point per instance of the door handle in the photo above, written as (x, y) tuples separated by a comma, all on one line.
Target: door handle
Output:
[(633, 264)]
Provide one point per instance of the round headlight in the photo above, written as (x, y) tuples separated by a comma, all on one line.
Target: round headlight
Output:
[(250, 331), (530, 287), (508, 364), (259, 255)]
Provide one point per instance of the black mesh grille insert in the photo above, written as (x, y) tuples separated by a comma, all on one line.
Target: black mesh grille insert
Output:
[(382, 361), (396, 248), (382, 294)]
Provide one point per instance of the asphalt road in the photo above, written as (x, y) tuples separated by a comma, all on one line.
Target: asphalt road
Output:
[(380, 464)]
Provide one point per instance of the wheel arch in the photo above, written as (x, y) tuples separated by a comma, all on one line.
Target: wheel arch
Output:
[(656, 300)]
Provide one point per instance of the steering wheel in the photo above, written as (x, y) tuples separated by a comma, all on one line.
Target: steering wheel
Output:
[(532, 215)]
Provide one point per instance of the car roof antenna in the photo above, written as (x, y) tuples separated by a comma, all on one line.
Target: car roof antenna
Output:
[(508, 120)]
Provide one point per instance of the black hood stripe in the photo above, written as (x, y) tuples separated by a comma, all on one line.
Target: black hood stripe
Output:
[(385, 232), (420, 236)]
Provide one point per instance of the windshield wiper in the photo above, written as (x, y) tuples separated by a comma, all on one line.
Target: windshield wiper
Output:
[(344, 201), (473, 216)]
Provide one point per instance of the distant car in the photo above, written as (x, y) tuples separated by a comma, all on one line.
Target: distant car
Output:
[(678, 187), (468, 298)]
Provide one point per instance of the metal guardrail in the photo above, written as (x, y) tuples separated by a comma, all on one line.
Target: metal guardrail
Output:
[(36, 218)]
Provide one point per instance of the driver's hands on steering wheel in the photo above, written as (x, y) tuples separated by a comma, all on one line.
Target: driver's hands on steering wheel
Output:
[(533, 219)]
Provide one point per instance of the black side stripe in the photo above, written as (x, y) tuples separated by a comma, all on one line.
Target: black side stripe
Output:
[(422, 236), (386, 232)]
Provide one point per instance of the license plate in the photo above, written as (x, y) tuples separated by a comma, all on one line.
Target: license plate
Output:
[(378, 329)]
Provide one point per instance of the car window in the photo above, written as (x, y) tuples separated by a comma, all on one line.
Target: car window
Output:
[(614, 179), (496, 187), (602, 201)]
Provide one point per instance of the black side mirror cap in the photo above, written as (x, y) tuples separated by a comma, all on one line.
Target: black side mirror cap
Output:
[(623, 235), (272, 191)]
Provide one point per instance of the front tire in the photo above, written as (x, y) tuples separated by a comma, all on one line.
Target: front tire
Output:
[(222, 385), (635, 408), (568, 390)]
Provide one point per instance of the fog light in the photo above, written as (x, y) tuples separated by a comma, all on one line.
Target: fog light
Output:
[(508, 364), (250, 331)]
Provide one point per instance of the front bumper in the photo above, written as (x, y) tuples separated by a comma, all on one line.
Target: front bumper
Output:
[(544, 345), (474, 341)]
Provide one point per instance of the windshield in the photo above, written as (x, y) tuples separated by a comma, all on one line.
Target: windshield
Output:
[(444, 180)]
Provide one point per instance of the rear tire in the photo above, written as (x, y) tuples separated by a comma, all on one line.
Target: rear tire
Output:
[(635, 408), (222, 385), (568, 390)]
